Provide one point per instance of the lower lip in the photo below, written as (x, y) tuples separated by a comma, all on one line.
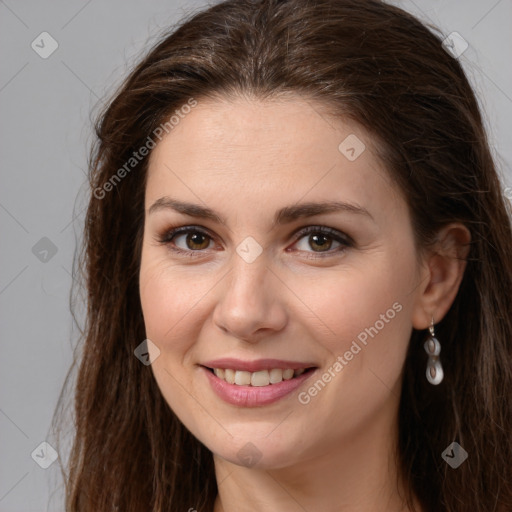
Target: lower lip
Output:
[(254, 396)]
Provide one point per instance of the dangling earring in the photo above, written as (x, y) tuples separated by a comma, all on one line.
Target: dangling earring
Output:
[(432, 347)]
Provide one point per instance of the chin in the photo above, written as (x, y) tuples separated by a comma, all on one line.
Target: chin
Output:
[(258, 452)]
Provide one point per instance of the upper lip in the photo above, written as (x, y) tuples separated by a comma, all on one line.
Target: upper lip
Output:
[(256, 365)]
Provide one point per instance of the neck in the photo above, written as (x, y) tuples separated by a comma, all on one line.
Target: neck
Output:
[(358, 475)]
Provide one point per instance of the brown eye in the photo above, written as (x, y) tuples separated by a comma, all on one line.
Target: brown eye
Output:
[(321, 238), (322, 242), (186, 240), (192, 241), (196, 240)]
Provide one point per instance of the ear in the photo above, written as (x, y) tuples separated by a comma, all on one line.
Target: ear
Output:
[(441, 275)]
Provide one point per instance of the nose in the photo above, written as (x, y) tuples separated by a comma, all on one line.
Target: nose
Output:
[(252, 301)]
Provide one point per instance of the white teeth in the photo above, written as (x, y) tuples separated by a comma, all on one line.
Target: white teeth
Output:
[(242, 378), (229, 376), (276, 375), (259, 378), (219, 372), (287, 374)]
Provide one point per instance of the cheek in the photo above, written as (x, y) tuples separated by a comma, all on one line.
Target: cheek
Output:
[(368, 315), (169, 317), (170, 302), (348, 304), (368, 311), (157, 301)]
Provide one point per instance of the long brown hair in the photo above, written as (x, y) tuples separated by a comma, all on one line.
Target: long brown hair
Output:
[(366, 61)]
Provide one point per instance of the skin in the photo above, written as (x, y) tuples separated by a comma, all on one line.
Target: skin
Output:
[(245, 159)]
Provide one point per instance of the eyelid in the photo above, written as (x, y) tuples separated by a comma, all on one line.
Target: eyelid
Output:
[(169, 234), (326, 230)]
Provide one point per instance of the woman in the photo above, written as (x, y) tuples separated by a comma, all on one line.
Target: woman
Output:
[(297, 258)]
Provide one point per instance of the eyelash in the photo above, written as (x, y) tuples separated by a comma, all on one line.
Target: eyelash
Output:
[(167, 237)]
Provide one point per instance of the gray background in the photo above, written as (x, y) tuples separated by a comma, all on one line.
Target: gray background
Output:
[(45, 107)]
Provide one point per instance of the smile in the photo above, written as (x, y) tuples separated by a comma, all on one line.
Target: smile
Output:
[(236, 384), (260, 378)]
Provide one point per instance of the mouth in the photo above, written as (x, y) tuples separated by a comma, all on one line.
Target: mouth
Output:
[(255, 383), (260, 378)]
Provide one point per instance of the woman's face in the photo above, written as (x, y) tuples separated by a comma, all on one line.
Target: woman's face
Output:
[(256, 289)]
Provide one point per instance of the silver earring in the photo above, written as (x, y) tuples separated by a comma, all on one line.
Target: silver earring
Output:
[(432, 347)]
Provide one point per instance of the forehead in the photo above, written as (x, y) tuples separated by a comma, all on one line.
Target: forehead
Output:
[(255, 153)]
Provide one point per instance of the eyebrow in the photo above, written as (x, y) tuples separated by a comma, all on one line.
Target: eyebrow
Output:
[(285, 215)]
